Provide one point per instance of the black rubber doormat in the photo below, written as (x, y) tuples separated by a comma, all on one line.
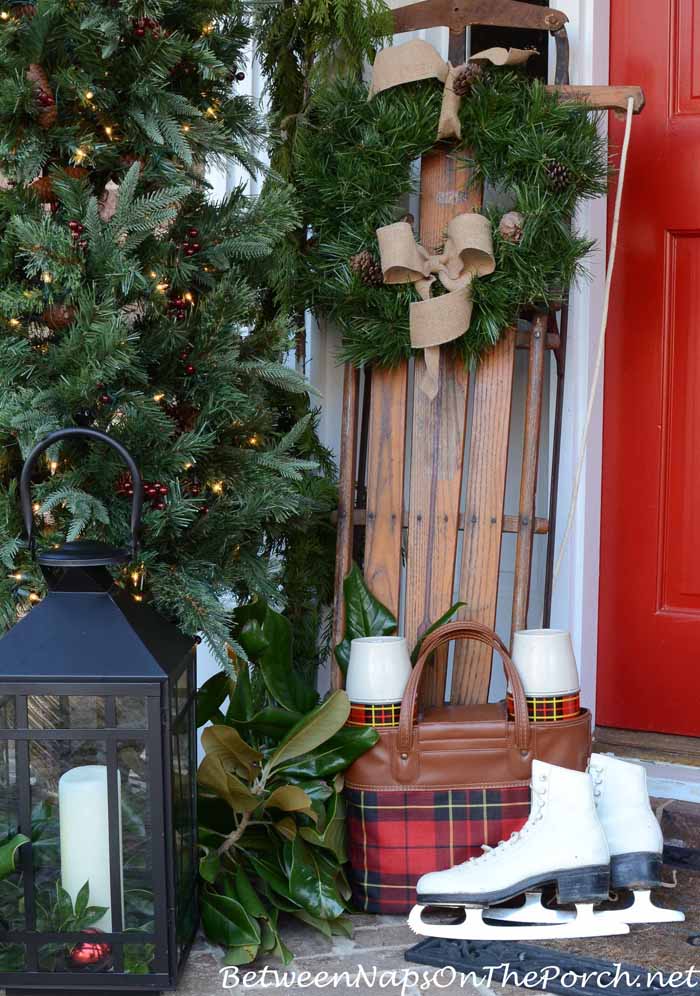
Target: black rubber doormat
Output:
[(527, 966)]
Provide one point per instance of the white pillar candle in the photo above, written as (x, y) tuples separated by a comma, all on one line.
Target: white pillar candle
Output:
[(83, 815)]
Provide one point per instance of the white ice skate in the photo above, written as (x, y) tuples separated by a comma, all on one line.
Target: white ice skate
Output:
[(635, 842), (562, 844)]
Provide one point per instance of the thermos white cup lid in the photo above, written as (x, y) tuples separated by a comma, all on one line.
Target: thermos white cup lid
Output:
[(545, 661), (379, 669)]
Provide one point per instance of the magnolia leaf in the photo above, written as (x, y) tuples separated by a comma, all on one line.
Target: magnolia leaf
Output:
[(210, 866), (310, 884), (246, 894), (364, 616), (226, 744), (213, 776), (211, 697), (334, 756), (314, 729), (8, 852), (286, 827), (290, 798), (226, 922)]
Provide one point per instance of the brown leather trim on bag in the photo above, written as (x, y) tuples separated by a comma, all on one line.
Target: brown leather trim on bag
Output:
[(460, 630)]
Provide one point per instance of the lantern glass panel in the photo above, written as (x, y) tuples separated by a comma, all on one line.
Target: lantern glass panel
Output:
[(137, 836), (131, 713), (66, 712), (7, 712)]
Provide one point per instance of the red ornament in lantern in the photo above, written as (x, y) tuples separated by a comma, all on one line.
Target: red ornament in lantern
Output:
[(91, 955)]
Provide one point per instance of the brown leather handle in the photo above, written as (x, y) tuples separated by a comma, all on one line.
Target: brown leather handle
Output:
[(461, 630)]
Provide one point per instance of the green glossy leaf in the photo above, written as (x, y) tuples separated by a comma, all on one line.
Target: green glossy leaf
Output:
[(241, 705), (211, 696), (271, 722), (242, 954), (277, 667), (225, 922), (314, 729), (444, 618), (334, 756), (82, 900), (210, 866), (364, 616), (253, 640), (274, 877), (64, 905), (333, 838), (8, 853), (309, 881), (246, 894)]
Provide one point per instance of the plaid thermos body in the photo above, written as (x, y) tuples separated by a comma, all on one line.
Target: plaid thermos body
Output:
[(544, 708), (395, 836)]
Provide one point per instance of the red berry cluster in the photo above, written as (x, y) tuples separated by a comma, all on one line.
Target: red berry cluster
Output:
[(144, 25), (191, 248), (177, 308), (153, 491), (76, 230), (189, 368), (45, 98)]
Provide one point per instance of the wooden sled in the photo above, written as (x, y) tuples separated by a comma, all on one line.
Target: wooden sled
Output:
[(404, 496)]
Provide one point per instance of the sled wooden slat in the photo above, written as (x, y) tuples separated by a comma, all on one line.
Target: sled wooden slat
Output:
[(385, 484), (437, 454), (438, 435), (460, 14), (528, 477), (483, 515)]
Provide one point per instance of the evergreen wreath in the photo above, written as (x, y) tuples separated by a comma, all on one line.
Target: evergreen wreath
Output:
[(356, 163)]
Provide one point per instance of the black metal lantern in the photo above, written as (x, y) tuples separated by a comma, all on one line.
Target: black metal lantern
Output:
[(97, 769)]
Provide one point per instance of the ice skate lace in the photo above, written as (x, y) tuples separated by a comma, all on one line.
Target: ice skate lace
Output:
[(539, 798), (597, 775)]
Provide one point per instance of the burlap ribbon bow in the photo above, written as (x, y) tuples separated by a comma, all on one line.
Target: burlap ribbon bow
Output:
[(467, 253), (419, 60)]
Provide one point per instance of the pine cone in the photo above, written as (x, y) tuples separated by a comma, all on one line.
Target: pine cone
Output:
[(560, 176), (48, 113), (22, 9), (368, 268), (511, 226), (466, 77), (58, 316)]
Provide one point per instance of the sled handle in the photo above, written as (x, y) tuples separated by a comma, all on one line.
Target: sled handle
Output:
[(25, 483), (461, 630)]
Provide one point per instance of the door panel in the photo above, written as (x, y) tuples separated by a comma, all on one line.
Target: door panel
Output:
[(649, 629)]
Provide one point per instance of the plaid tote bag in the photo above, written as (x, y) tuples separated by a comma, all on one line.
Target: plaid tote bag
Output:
[(433, 790)]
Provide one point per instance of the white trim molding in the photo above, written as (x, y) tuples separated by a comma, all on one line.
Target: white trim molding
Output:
[(575, 599)]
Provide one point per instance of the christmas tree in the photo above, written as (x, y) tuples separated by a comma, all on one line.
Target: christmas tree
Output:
[(132, 304)]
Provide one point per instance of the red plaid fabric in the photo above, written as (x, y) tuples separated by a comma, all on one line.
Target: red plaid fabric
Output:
[(395, 837), (385, 715), (546, 708)]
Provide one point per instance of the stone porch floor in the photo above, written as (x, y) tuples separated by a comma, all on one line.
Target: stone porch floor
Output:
[(379, 943)]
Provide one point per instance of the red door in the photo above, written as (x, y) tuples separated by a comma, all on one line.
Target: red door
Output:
[(649, 635)]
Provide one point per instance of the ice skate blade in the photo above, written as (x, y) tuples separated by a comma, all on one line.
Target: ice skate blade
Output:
[(532, 911), (586, 923), (643, 910)]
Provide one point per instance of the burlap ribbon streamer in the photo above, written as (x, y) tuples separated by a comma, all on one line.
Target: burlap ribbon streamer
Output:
[(419, 60), (467, 253)]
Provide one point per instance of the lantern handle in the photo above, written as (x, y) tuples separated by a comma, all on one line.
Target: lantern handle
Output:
[(25, 482)]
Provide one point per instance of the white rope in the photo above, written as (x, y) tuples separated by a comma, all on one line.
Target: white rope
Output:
[(601, 342)]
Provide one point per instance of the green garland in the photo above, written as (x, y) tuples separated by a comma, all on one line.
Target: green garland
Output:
[(355, 163)]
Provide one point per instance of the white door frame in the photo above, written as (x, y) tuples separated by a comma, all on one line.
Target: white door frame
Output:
[(575, 598)]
